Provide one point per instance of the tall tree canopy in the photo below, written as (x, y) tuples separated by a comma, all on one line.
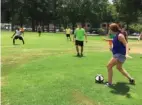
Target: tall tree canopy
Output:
[(43, 12)]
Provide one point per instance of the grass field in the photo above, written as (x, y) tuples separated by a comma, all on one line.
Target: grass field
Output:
[(45, 71)]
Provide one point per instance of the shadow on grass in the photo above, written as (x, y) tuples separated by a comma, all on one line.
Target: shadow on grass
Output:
[(16, 44), (78, 56), (121, 88)]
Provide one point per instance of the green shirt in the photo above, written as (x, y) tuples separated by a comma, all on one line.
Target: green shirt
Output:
[(79, 34), (111, 36)]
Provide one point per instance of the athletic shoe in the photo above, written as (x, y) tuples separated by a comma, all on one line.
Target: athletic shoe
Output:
[(108, 84), (132, 81), (81, 55), (78, 55)]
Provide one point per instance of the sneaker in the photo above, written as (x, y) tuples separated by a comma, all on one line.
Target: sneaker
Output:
[(78, 55), (132, 81), (108, 84), (81, 55)]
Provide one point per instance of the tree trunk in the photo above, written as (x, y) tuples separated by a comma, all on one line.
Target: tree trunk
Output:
[(54, 27), (36, 25), (12, 15), (12, 21), (48, 27), (73, 27), (83, 24), (107, 27), (43, 26), (21, 21), (21, 17), (127, 26), (33, 25)]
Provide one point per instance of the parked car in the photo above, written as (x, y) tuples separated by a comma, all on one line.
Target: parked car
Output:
[(135, 34)]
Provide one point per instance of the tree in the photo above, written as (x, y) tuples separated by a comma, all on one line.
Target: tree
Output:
[(128, 11)]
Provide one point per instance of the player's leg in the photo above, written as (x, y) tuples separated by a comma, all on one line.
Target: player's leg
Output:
[(82, 47), (81, 50), (77, 47), (21, 38), (70, 37), (124, 72), (14, 40), (67, 36), (77, 50), (23, 33), (139, 38), (110, 65), (39, 33)]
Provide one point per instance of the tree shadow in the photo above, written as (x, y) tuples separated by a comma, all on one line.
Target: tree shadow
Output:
[(121, 88)]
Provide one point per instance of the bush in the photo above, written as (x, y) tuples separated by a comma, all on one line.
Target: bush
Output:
[(61, 29), (101, 31), (136, 27)]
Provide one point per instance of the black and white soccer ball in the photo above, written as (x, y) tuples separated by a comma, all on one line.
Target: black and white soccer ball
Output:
[(99, 78)]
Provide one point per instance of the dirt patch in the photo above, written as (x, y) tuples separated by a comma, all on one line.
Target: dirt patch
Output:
[(82, 99), (136, 47), (3, 81), (136, 50)]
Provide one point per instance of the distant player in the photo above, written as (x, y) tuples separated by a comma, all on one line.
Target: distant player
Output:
[(78, 38), (17, 35), (68, 33), (110, 38), (39, 30), (140, 36), (124, 32), (120, 50)]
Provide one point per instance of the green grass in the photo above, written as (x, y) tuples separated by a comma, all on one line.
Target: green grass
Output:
[(45, 71)]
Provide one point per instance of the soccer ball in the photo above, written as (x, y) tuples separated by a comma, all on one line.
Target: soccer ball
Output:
[(99, 78)]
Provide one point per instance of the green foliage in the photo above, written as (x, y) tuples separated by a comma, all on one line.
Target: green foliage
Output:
[(44, 12), (127, 10), (101, 31), (136, 27)]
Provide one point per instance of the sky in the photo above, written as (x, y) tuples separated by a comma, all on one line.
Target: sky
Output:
[(110, 1)]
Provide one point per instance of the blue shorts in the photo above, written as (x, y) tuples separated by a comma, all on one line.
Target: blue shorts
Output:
[(121, 58)]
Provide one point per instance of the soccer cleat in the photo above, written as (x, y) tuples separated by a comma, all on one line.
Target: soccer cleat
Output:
[(81, 55), (132, 81), (78, 55), (108, 84)]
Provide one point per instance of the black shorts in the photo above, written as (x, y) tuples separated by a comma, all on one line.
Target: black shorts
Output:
[(68, 35), (79, 43), (39, 31), (18, 37)]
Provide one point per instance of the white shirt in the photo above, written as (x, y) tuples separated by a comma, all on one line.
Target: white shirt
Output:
[(18, 32)]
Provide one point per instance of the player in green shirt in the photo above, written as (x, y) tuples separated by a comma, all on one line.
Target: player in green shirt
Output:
[(79, 36)]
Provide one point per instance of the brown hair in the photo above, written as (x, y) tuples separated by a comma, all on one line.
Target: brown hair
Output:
[(114, 27), (117, 28)]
